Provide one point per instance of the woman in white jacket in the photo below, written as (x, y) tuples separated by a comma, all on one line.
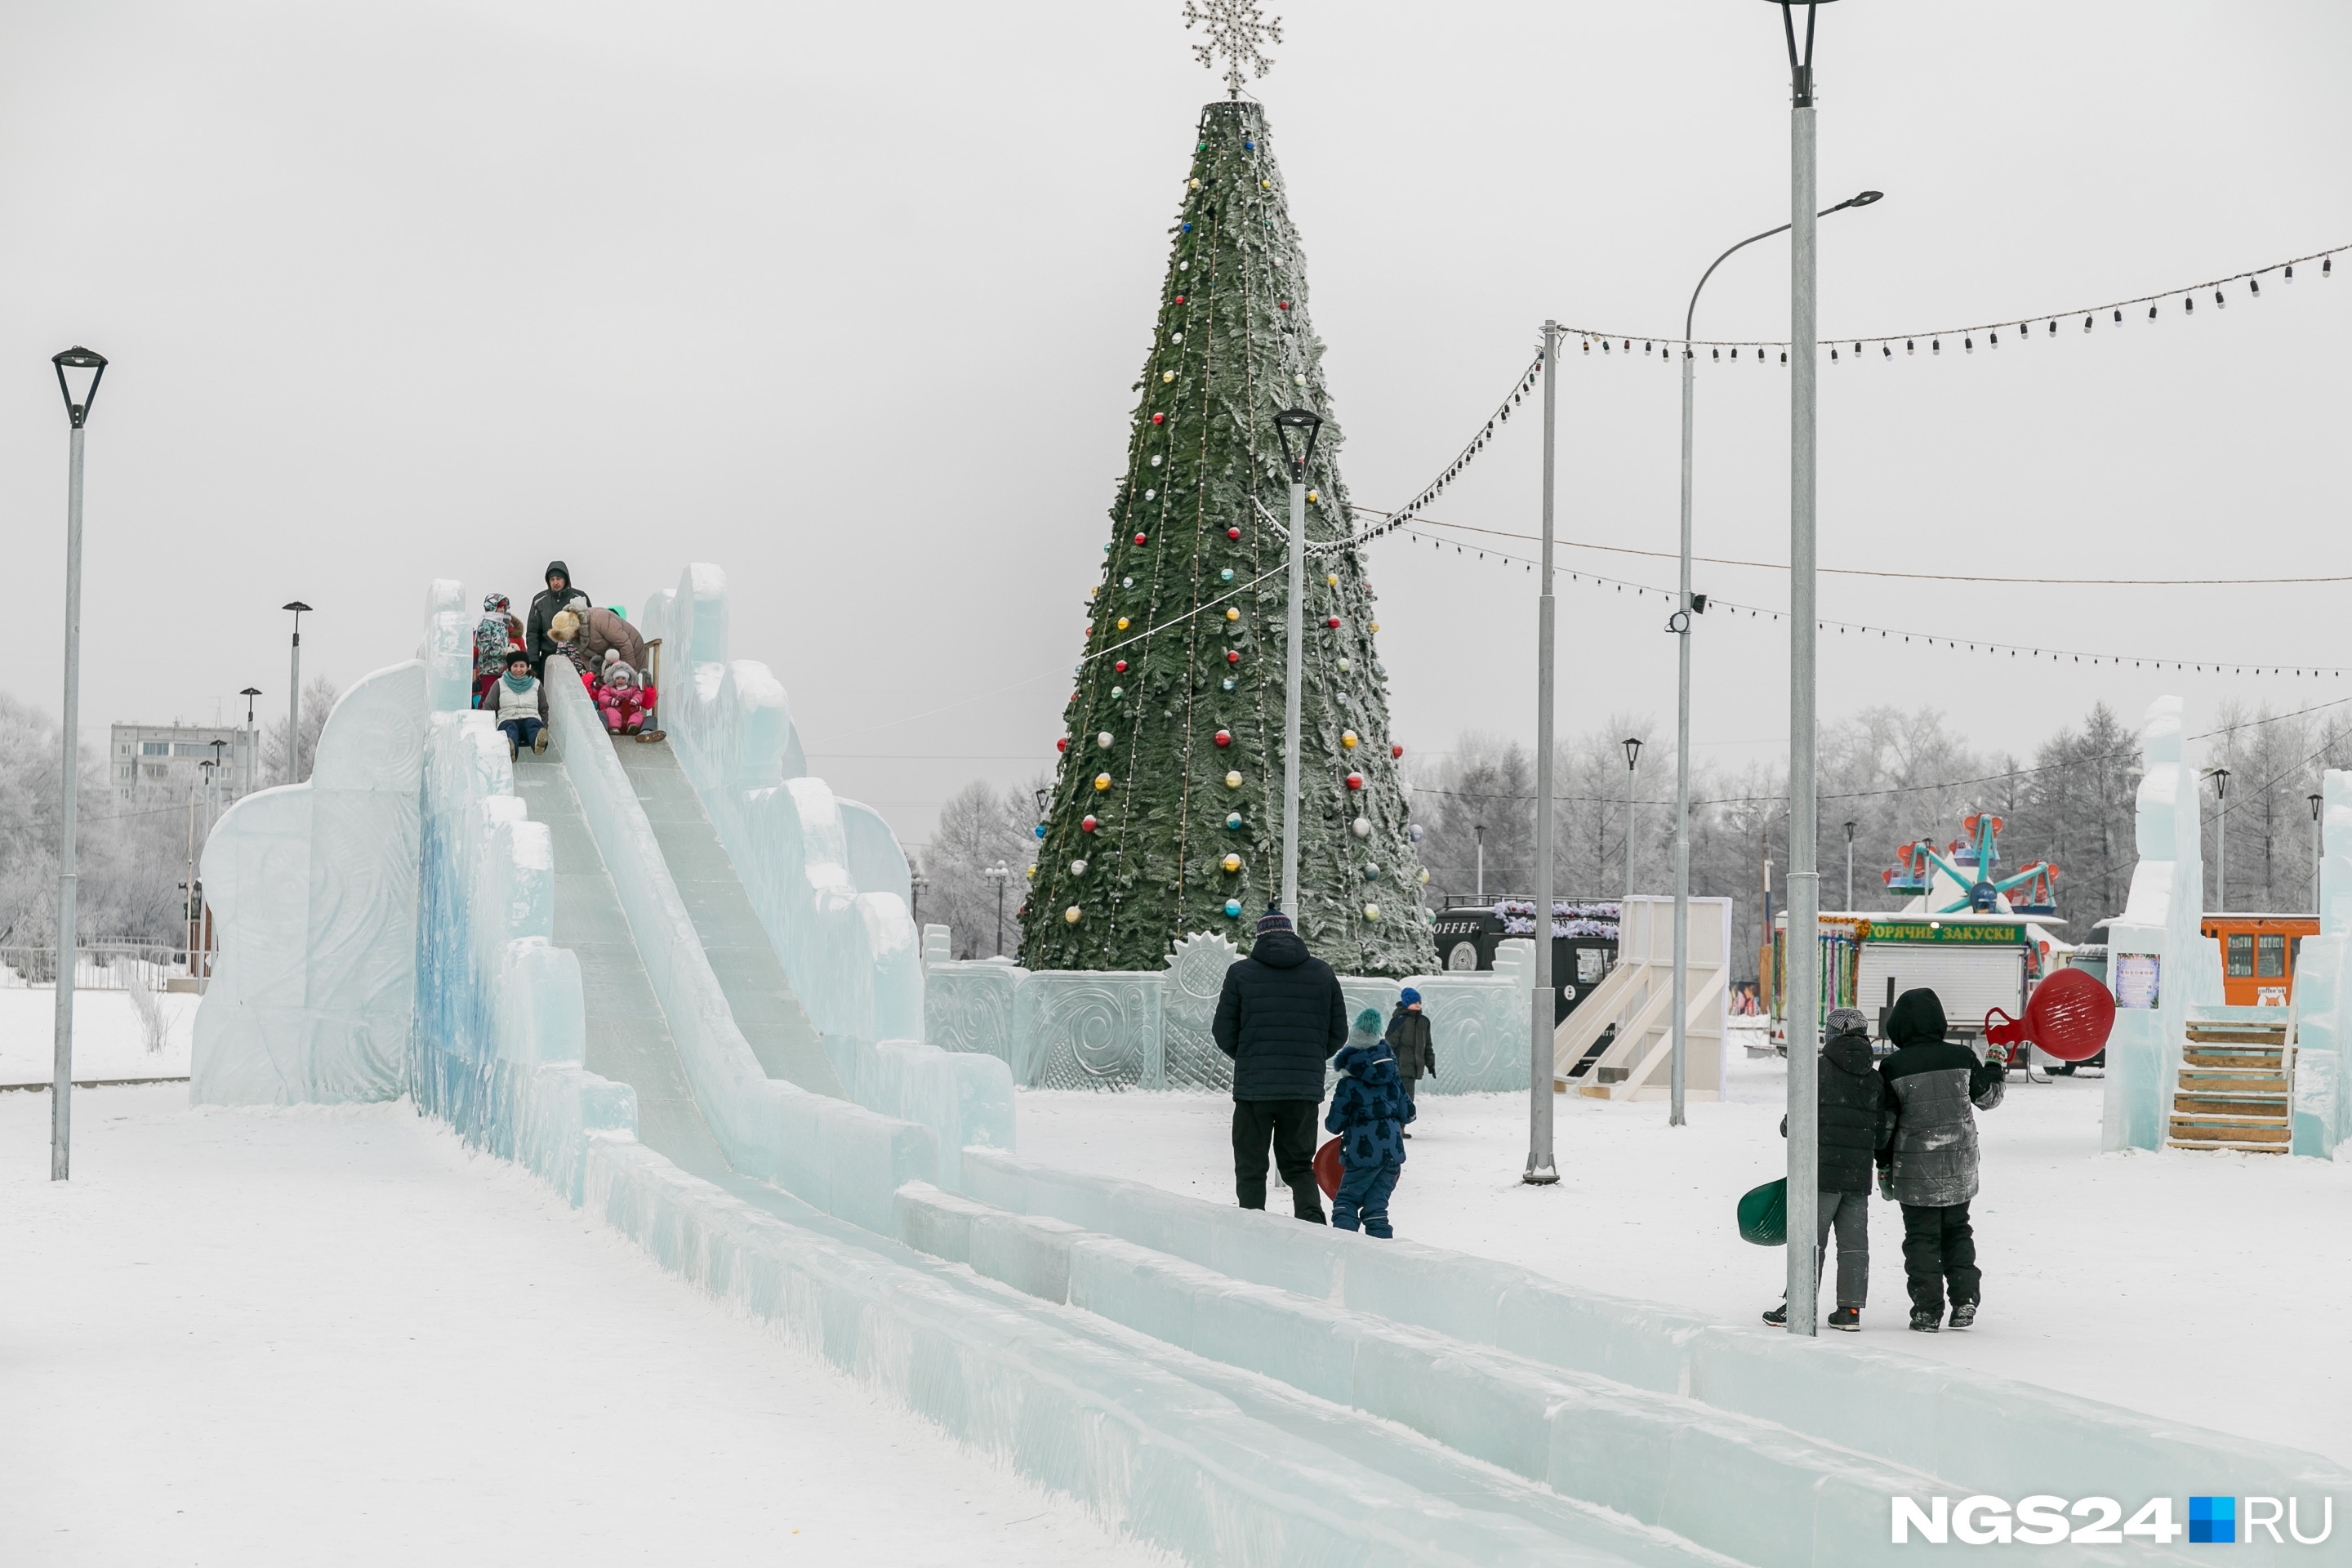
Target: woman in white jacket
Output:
[(522, 706)]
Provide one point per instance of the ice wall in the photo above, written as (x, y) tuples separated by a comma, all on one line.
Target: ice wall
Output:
[(2159, 925), (2323, 991), (313, 889), (826, 875), (1140, 1030)]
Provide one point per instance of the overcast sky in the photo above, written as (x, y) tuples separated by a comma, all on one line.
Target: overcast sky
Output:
[(850, 299)]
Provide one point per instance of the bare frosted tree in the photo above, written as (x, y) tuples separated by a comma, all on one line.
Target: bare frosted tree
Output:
[(319, 696), (981, 827)]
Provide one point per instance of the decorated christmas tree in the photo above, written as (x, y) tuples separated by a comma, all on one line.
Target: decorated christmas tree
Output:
[(1166, 816)]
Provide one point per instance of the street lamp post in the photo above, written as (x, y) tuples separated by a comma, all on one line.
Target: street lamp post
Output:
[(997, 874), (1849, 866), (77, 360), (2318, 804), (1679, 622), (1543, 1169), (1633, 746), (1479, 830), (252, 740), (2220, 777), (1297, 428), (294, 698), (1803, 962), (915, 886)]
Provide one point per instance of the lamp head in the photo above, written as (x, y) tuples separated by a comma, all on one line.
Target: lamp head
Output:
[(1632, 744), (81, 389), (1297, 428)]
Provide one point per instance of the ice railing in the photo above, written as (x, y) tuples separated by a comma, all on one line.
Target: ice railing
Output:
[(824, 874)]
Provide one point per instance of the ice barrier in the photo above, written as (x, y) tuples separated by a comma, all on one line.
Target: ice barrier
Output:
[(1109, 1030), (2321, 1112), (2158, 938), (313, 891), (826, 876), (1969, 1427)]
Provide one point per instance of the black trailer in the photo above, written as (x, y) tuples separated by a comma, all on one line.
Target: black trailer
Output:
[(1468, 929)]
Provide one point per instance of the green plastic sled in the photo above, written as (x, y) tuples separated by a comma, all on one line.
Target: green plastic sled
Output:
[(1764, 1214)]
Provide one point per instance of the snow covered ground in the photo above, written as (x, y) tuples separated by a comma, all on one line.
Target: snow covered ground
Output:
[(337, 1336), (2209, 1288), (108, 1039)]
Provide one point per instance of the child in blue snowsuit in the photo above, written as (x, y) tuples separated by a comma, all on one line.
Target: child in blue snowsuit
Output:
[(1369, 1110)]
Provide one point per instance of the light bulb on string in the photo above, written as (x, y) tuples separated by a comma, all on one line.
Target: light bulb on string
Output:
[(2254, 286)]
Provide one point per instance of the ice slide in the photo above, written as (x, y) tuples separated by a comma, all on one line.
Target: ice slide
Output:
[(1237, 1387)]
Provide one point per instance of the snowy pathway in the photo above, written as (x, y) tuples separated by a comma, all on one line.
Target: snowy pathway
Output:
[(2207, 1288), (338, 1336)]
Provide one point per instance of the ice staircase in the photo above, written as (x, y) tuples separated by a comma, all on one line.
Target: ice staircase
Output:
[(758, 991), (2236, 1082)]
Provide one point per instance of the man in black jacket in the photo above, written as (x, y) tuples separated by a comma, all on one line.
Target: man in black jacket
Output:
[(1853, 1123), (1929, 1166), (1280, 1017), (557, 595)]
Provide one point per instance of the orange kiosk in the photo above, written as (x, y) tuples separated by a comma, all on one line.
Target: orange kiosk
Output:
[(2258, 955)]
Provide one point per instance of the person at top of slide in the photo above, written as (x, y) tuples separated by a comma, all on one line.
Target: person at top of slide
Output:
[(559, 595)]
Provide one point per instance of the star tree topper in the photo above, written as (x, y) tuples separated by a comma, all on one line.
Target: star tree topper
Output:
[(1235, 31)]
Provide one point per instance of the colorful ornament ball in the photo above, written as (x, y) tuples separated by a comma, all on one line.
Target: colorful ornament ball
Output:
[(1071, 914), (1233, 862), (1230, 533), (1102, 781), (1104, 740), (1355, 781), (1140, 538), (1347, 738), (1332, 621), (1232, 614), (1396, 751), (1233, 823), (1363, 826), (1078, 868), (1233, 780), (1063, 744), (1224, 737), (1120, 666), (1088, 824), (1233, 909), (1371, 912), (1232, 656)]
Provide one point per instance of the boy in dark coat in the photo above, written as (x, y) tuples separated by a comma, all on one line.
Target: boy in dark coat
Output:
[(1409, 1039), (1934, 1089), (1369, 1110), (1854, 1125), (545, 606), (1279, 1017)]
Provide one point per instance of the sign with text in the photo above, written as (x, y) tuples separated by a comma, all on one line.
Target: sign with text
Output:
[(1972, 934)]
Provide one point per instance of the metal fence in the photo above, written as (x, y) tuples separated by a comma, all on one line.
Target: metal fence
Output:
[(97, 966)]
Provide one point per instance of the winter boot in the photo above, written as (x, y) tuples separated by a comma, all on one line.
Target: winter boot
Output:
[(539, 742), (1964, 1314), (1778, 1316), (1923, 1322), (1847, 1318)]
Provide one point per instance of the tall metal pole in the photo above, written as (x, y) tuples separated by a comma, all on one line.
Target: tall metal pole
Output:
[(69, 788), (1682, 758), (1849, 866), (1627, 909), (1480, 831), (2220, 777), (2318, 806), (1290, 682), (1803, 961), (1542, 1168), (294, 708)]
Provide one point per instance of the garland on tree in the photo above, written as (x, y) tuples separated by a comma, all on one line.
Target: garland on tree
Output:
[(1166, 815)]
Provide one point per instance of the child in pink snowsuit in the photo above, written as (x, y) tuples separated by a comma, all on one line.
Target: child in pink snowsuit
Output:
[(622, 701)]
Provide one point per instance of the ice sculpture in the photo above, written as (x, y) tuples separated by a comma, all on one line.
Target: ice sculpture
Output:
[(313, 889), (2159, 962)]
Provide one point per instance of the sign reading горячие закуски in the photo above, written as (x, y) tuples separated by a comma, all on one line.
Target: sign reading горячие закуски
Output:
[(1970, 934)]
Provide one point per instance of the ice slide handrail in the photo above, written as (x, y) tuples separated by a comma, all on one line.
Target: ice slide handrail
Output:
[(838, 1157)]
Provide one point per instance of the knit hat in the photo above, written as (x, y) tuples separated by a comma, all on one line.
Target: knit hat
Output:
[(1410, 997), (1847, 1021), (1273, 920)]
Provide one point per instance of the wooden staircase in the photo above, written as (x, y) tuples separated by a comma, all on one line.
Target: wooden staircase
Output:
[(2234, 1091)]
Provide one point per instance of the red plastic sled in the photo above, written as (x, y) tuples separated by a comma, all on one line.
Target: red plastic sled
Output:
[(1328, 1168), (2069, 1016)]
